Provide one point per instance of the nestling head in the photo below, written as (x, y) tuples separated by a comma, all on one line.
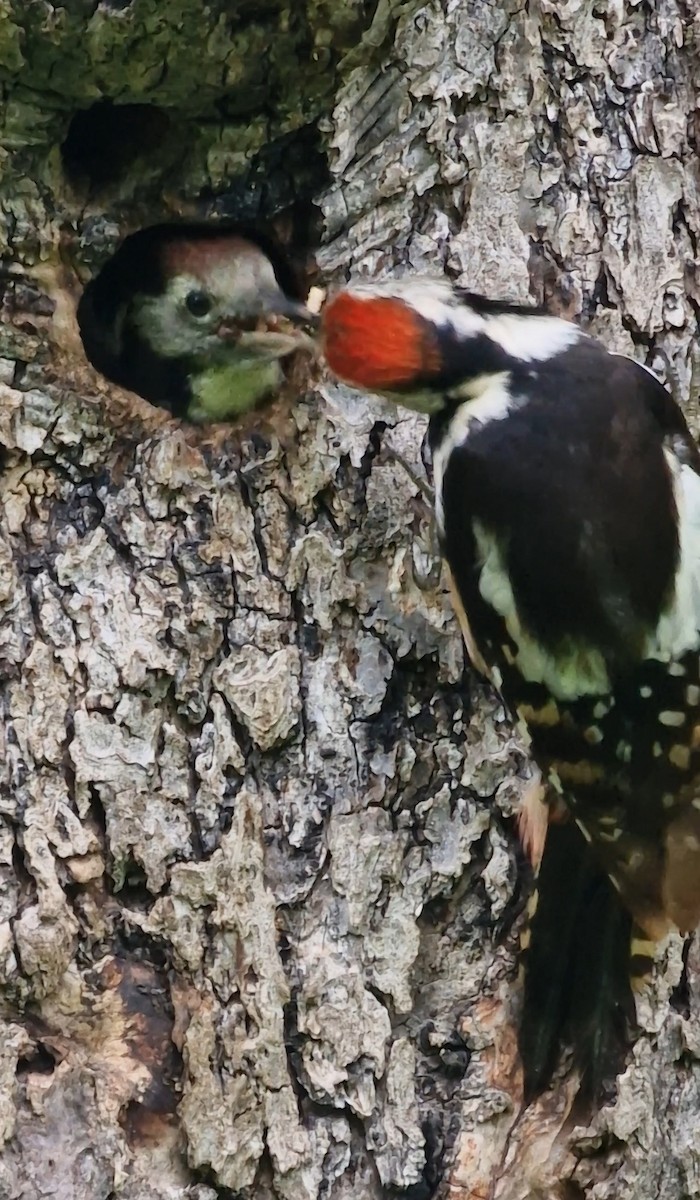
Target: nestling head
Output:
[(196, 318), (220, 297)]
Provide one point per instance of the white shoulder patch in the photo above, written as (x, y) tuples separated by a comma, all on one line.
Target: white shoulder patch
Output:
[(533, 339), (678, 631), (489, 399), (431, 297), (580, 671)]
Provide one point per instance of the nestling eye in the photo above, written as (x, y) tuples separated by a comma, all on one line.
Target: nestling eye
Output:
[(198, 303)]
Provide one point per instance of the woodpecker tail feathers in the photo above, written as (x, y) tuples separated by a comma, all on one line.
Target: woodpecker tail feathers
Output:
[(577, 988)]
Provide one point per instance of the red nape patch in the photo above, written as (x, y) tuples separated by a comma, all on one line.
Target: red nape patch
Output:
[(378, 342)]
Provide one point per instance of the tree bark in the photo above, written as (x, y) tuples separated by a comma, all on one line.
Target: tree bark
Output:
[(258, 916)]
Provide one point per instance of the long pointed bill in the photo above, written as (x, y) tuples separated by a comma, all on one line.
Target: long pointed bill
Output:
[(270, 343), (277, 332), (296, 312)]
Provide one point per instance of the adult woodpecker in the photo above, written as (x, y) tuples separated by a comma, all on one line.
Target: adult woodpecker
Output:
[(194, 318), (567, 490)]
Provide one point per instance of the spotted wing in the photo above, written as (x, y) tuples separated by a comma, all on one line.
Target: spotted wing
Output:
[(579, 579)]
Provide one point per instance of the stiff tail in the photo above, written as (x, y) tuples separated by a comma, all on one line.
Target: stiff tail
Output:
[(577, 989)]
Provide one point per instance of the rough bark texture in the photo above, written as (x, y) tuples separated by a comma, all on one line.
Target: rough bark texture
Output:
[(257, 869)]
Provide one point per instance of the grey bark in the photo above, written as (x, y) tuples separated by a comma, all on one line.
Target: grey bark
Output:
[(255, 845)]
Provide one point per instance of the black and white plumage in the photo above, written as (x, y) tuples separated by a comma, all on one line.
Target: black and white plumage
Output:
[(195, 318), (568, 505)]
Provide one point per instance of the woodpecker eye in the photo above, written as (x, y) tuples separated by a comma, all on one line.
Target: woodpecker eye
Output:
[(198, 303)]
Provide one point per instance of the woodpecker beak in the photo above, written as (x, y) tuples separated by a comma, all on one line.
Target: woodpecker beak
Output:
[(277, 332), (296, 312)]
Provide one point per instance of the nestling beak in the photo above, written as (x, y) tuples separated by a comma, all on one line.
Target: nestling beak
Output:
[(279, 330)]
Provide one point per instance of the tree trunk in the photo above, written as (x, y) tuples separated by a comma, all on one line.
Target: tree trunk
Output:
[(259, 877)]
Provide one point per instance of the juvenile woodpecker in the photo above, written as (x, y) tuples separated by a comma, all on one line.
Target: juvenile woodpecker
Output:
[(567, 493), (194, 318)]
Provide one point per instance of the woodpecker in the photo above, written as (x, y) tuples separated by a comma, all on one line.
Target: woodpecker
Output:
[(195, 318), (567, 499)]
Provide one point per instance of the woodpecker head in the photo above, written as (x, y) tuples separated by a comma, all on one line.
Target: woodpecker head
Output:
[(376, 338), (422, 339), (194, 318)]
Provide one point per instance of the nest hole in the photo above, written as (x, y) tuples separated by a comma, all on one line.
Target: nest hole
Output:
[(39, 1061), (114, 345), (104, 141)]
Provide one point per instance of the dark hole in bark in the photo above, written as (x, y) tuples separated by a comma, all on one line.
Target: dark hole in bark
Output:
[(143, 1126), (680, 996), (129, 884), (103, 141), (38, 1061)]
